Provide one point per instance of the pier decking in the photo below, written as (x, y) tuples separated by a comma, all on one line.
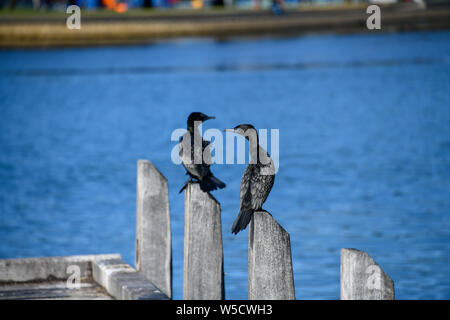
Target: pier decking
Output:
[(49, 290), (87, 277)]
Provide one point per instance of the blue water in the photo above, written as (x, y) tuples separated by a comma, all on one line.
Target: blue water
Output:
[(364, 126)]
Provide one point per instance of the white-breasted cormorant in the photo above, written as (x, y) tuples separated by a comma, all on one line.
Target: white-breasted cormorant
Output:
[(196, 156), (257, 180)]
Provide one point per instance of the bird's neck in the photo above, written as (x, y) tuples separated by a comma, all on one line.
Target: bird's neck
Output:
[(192, 127), (195, 136), (253, 144)]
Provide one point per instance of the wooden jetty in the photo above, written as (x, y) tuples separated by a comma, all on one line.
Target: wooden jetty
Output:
[(107, 276), (99, 277), (203, 254), (270, 275), (362, 278)]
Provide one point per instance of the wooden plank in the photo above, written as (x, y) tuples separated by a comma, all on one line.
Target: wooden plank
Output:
[(53, 290), (362, 278), (48, 268), (125, 283), (153, 235), (270, 274), (203, 252)]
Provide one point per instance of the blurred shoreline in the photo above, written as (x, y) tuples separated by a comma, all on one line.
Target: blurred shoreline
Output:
[(48, 29)]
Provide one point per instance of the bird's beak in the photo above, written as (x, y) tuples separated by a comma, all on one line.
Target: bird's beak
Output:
[(208, 118)]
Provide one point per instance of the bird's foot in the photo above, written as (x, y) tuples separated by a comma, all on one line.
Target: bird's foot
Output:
[(189, 181), (263, 210)]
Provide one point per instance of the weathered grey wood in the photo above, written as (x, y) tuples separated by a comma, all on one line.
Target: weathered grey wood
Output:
[(89, 290), (153, 237), (203, 252), (123, 282), (101, 277), (48, 268), (270, 274), (362, 278)]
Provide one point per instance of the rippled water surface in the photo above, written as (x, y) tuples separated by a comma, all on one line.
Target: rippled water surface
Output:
[(364, 124)]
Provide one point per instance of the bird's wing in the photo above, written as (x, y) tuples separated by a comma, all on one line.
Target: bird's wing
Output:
[(185, 151), (260, 188), (206, 152), (192, 152), (245, 194)]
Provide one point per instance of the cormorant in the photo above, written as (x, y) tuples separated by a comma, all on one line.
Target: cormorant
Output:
[(196, 156), (257, 180)]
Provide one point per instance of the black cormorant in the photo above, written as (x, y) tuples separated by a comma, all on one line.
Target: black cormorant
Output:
[(257, 180), (196, 156)]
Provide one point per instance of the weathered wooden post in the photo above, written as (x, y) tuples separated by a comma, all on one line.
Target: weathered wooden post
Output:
[(362, 278), (203, 253), (270, 274), (153, 237)]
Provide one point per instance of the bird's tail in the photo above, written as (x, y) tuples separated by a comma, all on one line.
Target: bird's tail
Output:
[(210, 183), (242, 220)]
